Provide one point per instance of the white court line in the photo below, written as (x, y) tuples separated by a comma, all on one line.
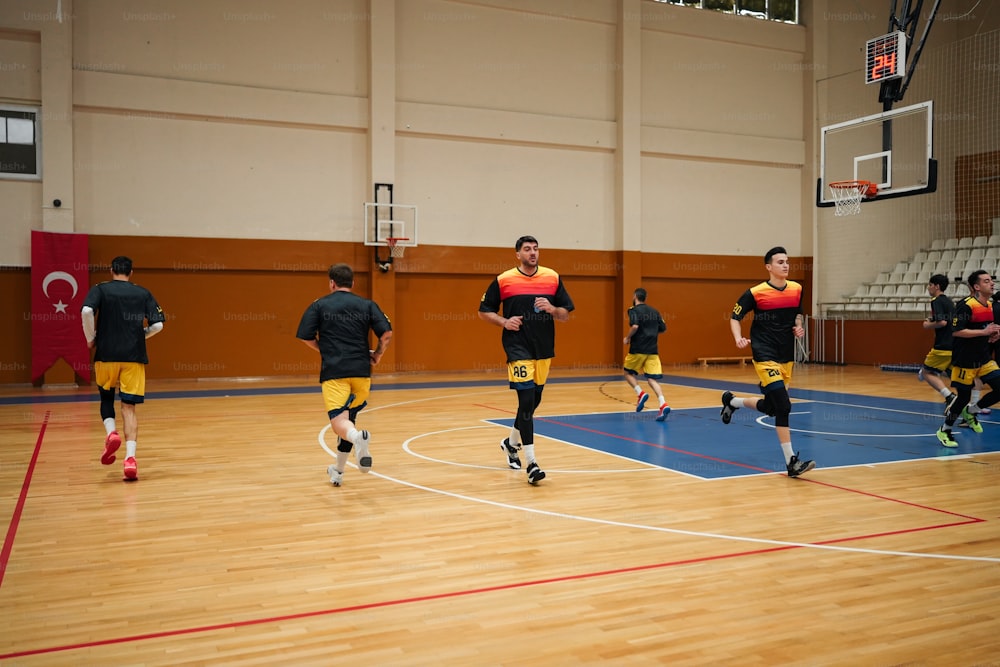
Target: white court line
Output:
[(658, 529), (760, 420)]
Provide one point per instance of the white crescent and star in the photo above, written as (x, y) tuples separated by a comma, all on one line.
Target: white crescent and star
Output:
[(53, 277)]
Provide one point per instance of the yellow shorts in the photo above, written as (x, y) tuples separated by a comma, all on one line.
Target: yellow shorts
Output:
[(770, 372), (647, 364), (345, 394), (528, 373), (128, 376), (939, 360), (967, 376)]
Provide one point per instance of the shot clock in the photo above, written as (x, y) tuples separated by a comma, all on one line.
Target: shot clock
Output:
[(885, 57)]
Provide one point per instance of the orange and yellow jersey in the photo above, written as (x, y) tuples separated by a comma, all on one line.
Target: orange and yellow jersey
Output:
[(775, 310), (970, 313), (516, 292)]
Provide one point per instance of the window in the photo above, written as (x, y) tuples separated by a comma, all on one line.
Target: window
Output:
[(786, 11), (20, 150)]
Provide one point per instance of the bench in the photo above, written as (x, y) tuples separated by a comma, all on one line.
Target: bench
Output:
[(742, 361)]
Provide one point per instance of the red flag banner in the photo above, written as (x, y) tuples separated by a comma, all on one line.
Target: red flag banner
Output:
[(59, 283)]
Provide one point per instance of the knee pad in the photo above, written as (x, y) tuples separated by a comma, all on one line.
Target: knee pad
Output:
[(107, 403), (344, 445), (782, 406)]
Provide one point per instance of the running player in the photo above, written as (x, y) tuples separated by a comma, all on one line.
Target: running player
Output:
[(646, 324), (126, 315), (777, 306), (937, 363), (973, 329), (337, 327), (533, 297)]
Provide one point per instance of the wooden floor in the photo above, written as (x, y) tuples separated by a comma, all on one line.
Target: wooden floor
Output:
[(233, 548)]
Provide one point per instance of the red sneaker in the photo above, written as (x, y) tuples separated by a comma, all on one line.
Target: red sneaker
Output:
[(131, 469), (111, 445), (664, 411)]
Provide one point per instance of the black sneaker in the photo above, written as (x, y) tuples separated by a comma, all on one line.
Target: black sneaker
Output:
[(727, 410), (535, 474), (513, 460), (796, 467)]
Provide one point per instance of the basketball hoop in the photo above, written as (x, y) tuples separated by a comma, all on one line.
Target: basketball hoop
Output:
[(847, 195), (395, 248)]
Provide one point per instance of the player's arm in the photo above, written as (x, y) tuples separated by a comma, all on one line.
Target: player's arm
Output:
[(798, 330), (308, 331), (744, 305), (89, 327), (489, 307), (557, 312), (153, 329), (383, 344), (631, 332)]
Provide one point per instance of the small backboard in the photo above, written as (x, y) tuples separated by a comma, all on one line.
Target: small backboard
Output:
[(893, 149), (391, 221)]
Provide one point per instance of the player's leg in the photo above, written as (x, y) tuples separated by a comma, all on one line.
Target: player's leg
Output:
[(133, 391), (633, 364), (106, 376), (766, 372), (339, 399), (528, 401), (360, 389), (962, 380), (935, 371), (654, 372)]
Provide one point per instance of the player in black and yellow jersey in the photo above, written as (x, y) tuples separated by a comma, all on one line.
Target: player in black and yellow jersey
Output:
[(337, 326), (973, 330), (119, 338), (777, 306), (937, 363), (533, 298)]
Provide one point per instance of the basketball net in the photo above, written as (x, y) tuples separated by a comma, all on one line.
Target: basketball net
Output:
[(847, 196), (395, 250)]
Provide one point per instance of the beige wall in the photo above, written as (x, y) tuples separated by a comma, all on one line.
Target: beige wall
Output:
[(218, 120)]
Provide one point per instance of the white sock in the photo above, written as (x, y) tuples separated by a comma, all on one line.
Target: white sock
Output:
[(354, 435), (637, 390), (515, 437), (945, 392), (975, 396), (529, 454), (109, 425), (786, 447), (736, 403), (130, 449), (663, 401), (342, 460)]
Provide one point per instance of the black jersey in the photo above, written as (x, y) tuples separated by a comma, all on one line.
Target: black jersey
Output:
[(516, 292), (775, 310), (650, 324), (942, 310), (342, 320), (973, 315), (122, 310)]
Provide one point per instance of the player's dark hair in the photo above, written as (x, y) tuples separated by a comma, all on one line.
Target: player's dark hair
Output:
[(940, 280), (524, 239), (342, 275), (974, 276), (776, 250), (640, 294), (121, 266)]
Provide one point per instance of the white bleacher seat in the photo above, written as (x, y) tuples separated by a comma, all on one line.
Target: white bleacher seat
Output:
[(937, 244), (860, 293), (883, 306), (956, 269), (979, 241), (914, 267), (919, 257), (942, 267), (856, 307), (918, 292), (901, 267), (924, 277), (994, 240), (992, 252), (910, 276), (951, 244), (965, 242), (961, 254), (929, 267), (896, 277), (948, 255), (882, 279), (874, 290), (935, 255), (989, 264), (977, 253)]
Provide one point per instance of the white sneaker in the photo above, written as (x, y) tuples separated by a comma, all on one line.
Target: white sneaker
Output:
[(361, 452), (336, 477)]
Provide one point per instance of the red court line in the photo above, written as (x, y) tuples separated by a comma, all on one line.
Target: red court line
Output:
[(15, 519), (390, 603)]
